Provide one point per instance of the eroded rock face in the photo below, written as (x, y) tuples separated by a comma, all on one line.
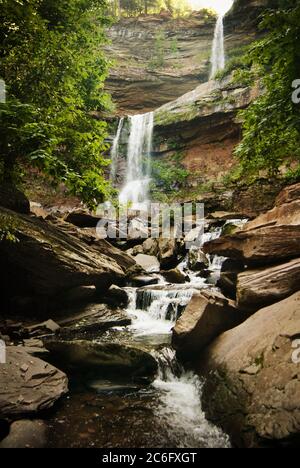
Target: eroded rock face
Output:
[(202, 127), (207, 316), (158, 59), (27, 384), (253, 387)]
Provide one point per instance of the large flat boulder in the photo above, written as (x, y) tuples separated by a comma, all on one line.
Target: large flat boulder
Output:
[(103, 358), (253, 377), (264, 286), (263, 245), (206, 316), (28, 384), (272, 237), (47, 262)]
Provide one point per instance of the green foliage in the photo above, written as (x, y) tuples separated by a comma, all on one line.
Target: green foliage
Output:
[(271, 124), (138, 7), (168, 176), (54, 69), (159, 52), (8, 229), (235, 64)]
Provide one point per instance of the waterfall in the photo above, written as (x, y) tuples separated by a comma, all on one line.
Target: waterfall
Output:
[(114, 154), (136, 188), (180, 405), (218, 50)]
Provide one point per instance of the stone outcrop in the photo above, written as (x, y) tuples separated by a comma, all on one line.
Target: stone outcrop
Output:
[(253, 386), (46, 262), (27, 384), (206, 317)]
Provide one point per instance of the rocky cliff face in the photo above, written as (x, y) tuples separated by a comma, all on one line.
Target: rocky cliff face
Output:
[(202, 126), (158, 59)]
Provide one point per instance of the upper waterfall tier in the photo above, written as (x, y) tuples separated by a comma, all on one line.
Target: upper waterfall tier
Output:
[(136, 188)]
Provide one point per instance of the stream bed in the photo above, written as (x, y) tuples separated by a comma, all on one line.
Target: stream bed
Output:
[(116, 412)]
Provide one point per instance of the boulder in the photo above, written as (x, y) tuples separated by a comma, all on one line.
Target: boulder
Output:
[(26, 434), (264, 286), (272, 237), (13, 199), (89, 237), (228, 277), (107, 358), (197, 260), (263, 245), (143, 280), (253, 377), (149, 263), (82, 219), (168, 255), (174, 276), (91, 321), (150, 247), (138, 249), (281, 215), (116, 297), (46, 262), (28, 384), (43, 328), (206, 316)]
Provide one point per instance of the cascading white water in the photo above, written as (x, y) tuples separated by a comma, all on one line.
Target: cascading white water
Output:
[(218, 49), (114, 154), (136, 188), (180, 405), (178, 408)]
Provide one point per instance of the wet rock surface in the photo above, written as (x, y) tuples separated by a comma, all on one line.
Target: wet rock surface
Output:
[(27, 384), (206, 317), (253, 385), (26, 434)]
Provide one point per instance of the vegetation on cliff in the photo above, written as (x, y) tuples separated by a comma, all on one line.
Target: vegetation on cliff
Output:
[(271, 124), (54, 69)]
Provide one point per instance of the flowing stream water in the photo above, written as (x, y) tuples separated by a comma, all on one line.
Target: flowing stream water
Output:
[(119, 412), (136, 187), (218, 49)]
